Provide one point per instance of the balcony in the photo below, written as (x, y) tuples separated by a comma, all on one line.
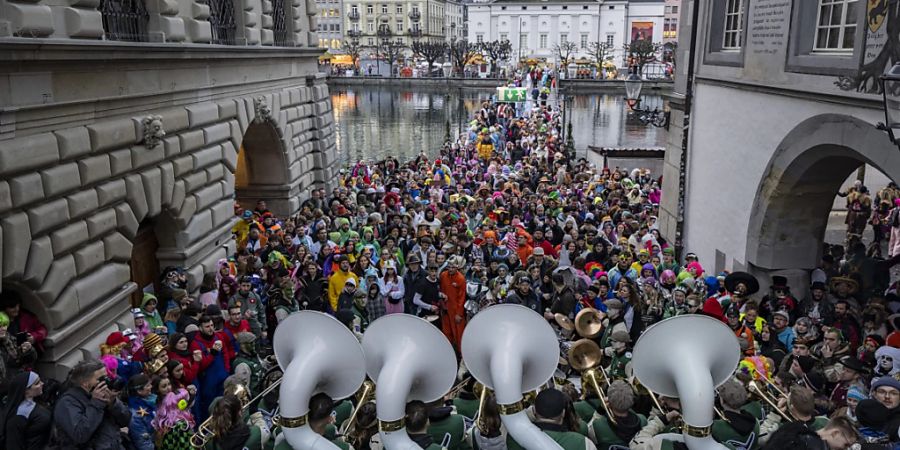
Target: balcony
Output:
[(353, 15), (415, 15)]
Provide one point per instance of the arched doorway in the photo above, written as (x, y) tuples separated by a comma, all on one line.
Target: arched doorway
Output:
[(262, 170), (144, 264), (797, 193)]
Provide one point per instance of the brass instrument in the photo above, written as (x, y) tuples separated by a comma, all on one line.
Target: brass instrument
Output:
[(482, 395), (205, 434), (584, 357), (365, 395), (754, 388), (454, 391)]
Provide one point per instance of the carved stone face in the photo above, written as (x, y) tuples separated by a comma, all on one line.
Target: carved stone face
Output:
[(156, 128)]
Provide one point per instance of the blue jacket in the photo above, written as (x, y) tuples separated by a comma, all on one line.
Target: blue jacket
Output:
[(140, 429)]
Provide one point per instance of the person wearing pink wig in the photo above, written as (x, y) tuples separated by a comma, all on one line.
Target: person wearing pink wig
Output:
[(173, 421)]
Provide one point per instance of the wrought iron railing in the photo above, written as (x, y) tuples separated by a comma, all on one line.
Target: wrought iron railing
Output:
[(353, 15), (221, 18), (124, 20), (279, 23), (415, 15)]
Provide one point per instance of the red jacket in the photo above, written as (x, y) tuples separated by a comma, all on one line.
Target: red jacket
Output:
[(239, 328), (208, 356), (191, 368)]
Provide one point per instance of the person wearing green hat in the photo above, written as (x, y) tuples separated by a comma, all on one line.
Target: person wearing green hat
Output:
[(149, 305), (669, 262)]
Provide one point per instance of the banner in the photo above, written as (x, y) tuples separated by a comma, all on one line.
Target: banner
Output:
[(511, 94)]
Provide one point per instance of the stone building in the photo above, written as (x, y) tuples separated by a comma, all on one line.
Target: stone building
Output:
[(535, 27), (404, 20), (330, 24), (126, 137), (783, 109)]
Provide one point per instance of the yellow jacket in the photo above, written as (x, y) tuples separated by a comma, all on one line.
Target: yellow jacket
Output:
[(336, 285)]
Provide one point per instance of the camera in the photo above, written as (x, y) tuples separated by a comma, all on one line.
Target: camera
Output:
[(114, 384)]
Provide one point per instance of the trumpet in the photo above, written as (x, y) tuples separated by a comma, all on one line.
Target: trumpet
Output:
[(754, 388), (205, 432)]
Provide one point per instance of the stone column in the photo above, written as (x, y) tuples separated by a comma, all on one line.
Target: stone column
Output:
[(165, 23), (300, 23), (198, 27), (268, 23), (25, 18), (83, 20), (247, 22), (312, 39)]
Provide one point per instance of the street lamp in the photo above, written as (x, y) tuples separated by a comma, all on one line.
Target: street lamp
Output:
[(890, 87), (655, 117)]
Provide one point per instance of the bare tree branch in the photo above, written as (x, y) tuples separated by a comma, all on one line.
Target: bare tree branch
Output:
[(565, 50), (460, 53), (497, 52), (429, 51)]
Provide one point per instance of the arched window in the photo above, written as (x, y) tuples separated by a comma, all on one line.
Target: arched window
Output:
[(221, 17), (124, 20)]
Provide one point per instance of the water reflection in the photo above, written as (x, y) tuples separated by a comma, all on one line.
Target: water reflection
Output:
[(373, 122)]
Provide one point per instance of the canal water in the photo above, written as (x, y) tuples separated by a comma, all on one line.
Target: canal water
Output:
[(376, 121)]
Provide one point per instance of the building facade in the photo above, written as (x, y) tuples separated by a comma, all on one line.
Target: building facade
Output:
[(535, 27), (783, 109), (127, 138), (454, 13), (330, 23), (402, 20), (670, 21)]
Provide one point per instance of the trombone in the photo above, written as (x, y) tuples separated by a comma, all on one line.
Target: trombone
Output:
[(754, 388), (365, 395), (205, 433), (584, 356)]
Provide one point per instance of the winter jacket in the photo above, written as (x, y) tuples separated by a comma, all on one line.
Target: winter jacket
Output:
[(83, 422), (140, 430)]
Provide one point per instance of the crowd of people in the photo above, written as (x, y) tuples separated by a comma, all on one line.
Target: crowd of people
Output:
[(502, 215)]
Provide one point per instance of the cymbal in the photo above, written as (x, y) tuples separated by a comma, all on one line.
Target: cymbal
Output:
[(564, 322), (584, 354), (589, 323), (432, 318)]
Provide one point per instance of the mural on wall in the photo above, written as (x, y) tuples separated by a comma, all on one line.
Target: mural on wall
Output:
[(641, 31), (881, 47)]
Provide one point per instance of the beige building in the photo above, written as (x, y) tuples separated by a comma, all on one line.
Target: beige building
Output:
[(127, 135), (405, 20)]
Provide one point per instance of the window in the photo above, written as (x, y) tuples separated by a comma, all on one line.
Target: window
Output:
[(836, 25), (370, 9), (584, 39), (674, 9), (563, 38), (565, 7), (612, 7), (399, 26), (371, 42), (523, 41), (370, 27), (668, 10), (384, 9), (584, 7), (734, 25), (337, 27), (543, 40), (543, 7), (354, 9), (610, 38), (524, 8), (399, 9), (415, 9), (503, 8)]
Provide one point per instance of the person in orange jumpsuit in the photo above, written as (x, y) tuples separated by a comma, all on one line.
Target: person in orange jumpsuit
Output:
[(453, 292)]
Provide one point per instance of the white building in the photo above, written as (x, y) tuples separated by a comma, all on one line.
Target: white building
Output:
[(534, 27), (454, 20), (783, 109)]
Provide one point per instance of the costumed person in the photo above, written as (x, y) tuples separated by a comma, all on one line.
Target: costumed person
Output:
[(142, 403), (149, 306), (247, 365), (26, 423), (453, 288), (173, 422)]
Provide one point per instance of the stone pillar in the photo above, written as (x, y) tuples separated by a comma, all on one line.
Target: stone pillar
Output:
[(198, 28), (268, 23), (324, 167), (247, 22), (165, 23), (25, 18), (82, 19), (312, 39), (300, 23)]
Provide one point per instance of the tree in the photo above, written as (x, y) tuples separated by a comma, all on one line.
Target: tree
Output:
[(643, 51), (391, 50), (353, 48), (599, 52), (460, 53), (430, 52), (497, 52), (565, 50)]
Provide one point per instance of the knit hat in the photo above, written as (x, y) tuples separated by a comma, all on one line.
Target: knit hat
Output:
[(806, 363), (620, 336), (191, 328), (856, 393), (116, 338), (614, 304), (550, 403), (872, 414), (886, 381), (782, 313), (245, 338)]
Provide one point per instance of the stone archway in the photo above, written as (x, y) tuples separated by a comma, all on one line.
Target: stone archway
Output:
[(790, 212), (262, 169)]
